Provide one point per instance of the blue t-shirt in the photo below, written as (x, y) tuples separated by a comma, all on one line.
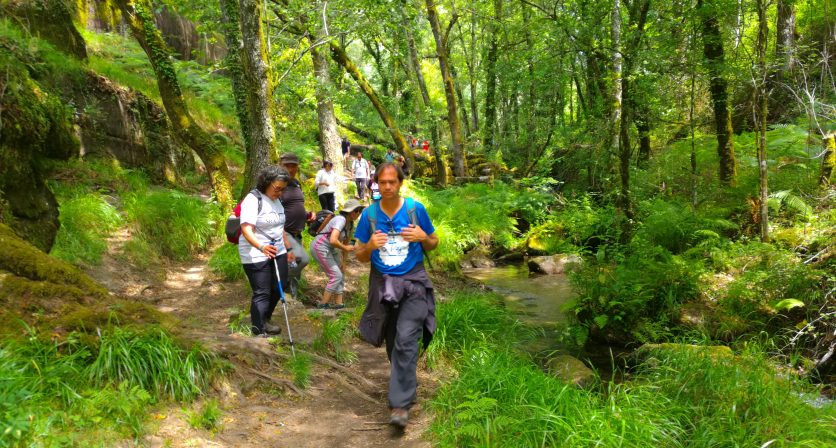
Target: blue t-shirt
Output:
[(398, 256)]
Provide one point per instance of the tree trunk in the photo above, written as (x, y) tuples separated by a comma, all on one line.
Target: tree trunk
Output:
[(619, 129), (490, 76), (828, 161), (329, 137), (459, 166), (230, 17), (140, 19), (339, 56), (785, 47), (715, 60), (259, 87), (440, 167), (465, 120), (761, 118)]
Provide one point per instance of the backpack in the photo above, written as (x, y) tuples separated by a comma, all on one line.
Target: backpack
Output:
[(319, 222), (232, 228), (413, 219)]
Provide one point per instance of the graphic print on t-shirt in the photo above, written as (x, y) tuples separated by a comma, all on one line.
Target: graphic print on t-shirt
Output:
[(394, 252)]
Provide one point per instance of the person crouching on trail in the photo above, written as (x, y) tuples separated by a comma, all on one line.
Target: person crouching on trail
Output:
[(393, 235), (333, 236)]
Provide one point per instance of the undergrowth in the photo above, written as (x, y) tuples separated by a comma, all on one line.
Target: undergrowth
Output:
[(678, 398), (80, 390)]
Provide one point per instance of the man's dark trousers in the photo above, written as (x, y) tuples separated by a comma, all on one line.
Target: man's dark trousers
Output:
[(402, 347)]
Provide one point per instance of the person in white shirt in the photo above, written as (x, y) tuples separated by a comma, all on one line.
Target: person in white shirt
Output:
[(326, 186), (362, 170), (263, 242)]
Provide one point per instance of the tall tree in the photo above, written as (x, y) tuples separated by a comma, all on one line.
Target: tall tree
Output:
[(715, 60), (490, 76), (762, 94), (259, 87), (441, 41), (231, 26), (139, 17), (415, 64), (329, 137)]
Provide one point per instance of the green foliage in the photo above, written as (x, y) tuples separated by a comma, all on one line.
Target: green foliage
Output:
[(207, 417), (762, 276), (85, 223), (175, 224), (152, 361), (479, 214), (54, 393), (226, 262), (239, 322), (679, 397), (333, 338), (577, 224), (300, 369), (636, 296), (676, 227)]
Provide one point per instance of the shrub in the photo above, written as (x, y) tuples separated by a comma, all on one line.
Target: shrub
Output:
[(176, 224), (85, 223), (226, 262), (634, 298)]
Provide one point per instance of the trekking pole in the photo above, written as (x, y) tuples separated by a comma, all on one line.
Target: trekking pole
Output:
[(284, 306)]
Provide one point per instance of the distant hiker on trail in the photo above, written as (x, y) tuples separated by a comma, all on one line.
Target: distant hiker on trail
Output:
[(390, 156), (263, 239), (362, 173), (324, 248), (426, 146), (326, 186), (346, 146), (393, 235), (374, 189), (293, 201)]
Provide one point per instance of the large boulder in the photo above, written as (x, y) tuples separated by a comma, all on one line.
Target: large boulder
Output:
[(478, 257), (50, 20), (554, 264), (570, 370)]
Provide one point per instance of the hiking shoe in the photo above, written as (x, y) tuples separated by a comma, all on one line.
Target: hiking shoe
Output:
[(399, 417), (322, 306), (337, 306), (272, 329)]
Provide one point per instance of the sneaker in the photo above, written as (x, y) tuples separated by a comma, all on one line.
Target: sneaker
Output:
[(272, 329), (337, 306), (322, 306), (399, 417)]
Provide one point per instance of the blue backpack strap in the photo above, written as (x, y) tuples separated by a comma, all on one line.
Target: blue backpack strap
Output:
[(372, 217), (410, 211)]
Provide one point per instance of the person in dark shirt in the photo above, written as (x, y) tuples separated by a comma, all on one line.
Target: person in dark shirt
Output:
[(293, 201)]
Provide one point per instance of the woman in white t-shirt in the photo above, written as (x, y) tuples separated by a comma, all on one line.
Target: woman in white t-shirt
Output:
[(262, 246), (325, 248), (326, 186)]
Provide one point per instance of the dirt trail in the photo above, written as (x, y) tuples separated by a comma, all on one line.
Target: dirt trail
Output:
[(337, 410)]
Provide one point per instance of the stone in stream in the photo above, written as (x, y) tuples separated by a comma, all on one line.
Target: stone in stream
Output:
[(570, 370), (554, 264)]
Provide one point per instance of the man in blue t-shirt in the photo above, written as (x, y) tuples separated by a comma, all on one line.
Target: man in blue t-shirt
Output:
[(393, 235)]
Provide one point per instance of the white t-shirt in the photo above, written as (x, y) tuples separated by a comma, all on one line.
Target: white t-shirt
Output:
[(360, 168), (269, 226), (325, 176)]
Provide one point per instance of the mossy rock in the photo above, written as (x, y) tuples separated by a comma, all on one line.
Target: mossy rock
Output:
[(31, 280), (50, 20), (571, 370)]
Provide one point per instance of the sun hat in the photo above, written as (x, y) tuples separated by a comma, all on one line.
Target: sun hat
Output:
[(351, 205)]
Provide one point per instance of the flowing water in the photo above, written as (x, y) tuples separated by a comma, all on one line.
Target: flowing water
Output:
[(537, 300)]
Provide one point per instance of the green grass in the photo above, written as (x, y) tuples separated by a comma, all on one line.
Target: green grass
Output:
[(300, 369), (226, 262), (86, 222), (678, 398), (333, 337), (207, 417), (85, 390), (177, 225)]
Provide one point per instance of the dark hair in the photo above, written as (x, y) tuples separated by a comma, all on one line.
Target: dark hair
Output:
[(386, 165), (270, 174)]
